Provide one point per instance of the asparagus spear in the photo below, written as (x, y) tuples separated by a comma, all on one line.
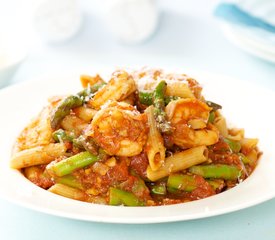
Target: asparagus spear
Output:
[(85, 143), (120, 197), (146, 98), (226, 172), (69, 180), (216, 184), (213, 105), (181, 182), (211, 117), (70, 102), (63, 109), (68, 165), (159, 104), (234, 145), (244, 158), (61, 135), (159, 189), (187, 183), (89, 91)]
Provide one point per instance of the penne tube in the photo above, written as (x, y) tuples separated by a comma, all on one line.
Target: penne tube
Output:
[(73, 124), (87, 80), (118, 88), (37, 155), (179, 89), (154, 147), (85, 113), (68, 192), (220, 124), (249, 143), (38, 176), (178, 162), (32, 172), (253, 156), (235, 134)]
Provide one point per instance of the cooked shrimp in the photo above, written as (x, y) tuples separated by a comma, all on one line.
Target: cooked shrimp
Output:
[(119, 129), (37, 133), (189, 119)]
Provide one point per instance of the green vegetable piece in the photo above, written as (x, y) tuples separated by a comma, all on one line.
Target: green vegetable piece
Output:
[(158, 95), (244, 158), (89, 91), (159, 189), (146, 98), (234, 145), (68, 165), (120, 197), (159, 104), (61, 135), (168, 99), (139, 186), (69, 180), (63, 109), (86, 143), (72, 101), (216, 183), (213, 105), (173, 190), (181, 182), (211, 117), (222, 171)]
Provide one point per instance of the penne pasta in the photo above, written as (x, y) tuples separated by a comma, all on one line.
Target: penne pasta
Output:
[(178, 162), (73, 124), (249, 143), (85, 113), (235, 134), (118, 88), (69, 192), (220, 124), (37, 155), (154, 147), (253, 156), (87, 80), (179, 89)]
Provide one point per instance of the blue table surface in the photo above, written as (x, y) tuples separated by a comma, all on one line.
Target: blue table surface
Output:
[(187, 37)]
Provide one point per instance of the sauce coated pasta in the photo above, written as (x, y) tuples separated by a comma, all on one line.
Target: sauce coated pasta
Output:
[(141, 138)]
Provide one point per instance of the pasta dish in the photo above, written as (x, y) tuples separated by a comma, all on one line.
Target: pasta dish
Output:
[(140, 138)]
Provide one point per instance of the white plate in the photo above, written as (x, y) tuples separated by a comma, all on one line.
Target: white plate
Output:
[(258, 42), (245, 105)]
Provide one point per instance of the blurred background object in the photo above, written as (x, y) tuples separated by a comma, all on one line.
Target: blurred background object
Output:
[(12, 53), (250, 24), (132, 21), (56, 21)]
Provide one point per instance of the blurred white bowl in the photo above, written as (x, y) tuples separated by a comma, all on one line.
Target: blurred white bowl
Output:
[(12, 53)]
